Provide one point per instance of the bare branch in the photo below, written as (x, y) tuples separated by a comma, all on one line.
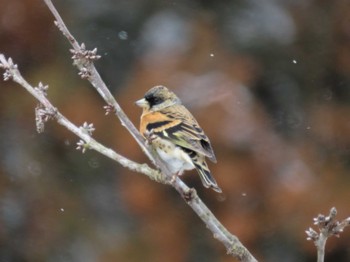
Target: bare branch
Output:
[(328, 226), (46, 111), (89, 72), (83, 60)]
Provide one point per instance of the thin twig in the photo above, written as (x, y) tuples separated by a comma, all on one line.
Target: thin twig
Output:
[(48, 111), (83, 59), (328, 226), (232, 244), (86, 67)]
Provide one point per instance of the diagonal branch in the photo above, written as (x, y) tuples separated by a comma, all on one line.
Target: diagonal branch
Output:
[(88, 71), (46, 111), (83, 59)]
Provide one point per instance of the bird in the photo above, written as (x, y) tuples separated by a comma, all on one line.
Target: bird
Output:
[(175, 135)]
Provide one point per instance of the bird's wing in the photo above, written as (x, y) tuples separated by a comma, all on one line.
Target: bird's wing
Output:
[(177, 125)]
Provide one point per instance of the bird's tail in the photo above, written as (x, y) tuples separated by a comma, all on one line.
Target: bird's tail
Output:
[(204, 173)]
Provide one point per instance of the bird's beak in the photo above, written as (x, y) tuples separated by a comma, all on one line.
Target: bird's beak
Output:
[(141, 103)]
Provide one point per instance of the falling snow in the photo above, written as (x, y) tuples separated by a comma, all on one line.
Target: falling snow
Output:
[(123, 35)]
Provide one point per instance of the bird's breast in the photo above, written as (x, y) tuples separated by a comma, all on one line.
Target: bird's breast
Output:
[(173, 156)]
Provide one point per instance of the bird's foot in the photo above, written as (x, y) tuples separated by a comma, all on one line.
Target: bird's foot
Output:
[(150, 137), (189, 195)]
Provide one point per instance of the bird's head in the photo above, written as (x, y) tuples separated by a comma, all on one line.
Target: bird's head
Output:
[(157, 98)]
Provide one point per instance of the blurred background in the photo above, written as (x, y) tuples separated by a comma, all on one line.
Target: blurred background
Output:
[(269, 82)]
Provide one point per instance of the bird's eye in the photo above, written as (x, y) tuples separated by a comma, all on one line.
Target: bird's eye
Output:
[(153, 100)]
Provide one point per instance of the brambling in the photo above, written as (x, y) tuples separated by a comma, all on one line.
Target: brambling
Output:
[(175, 134)]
